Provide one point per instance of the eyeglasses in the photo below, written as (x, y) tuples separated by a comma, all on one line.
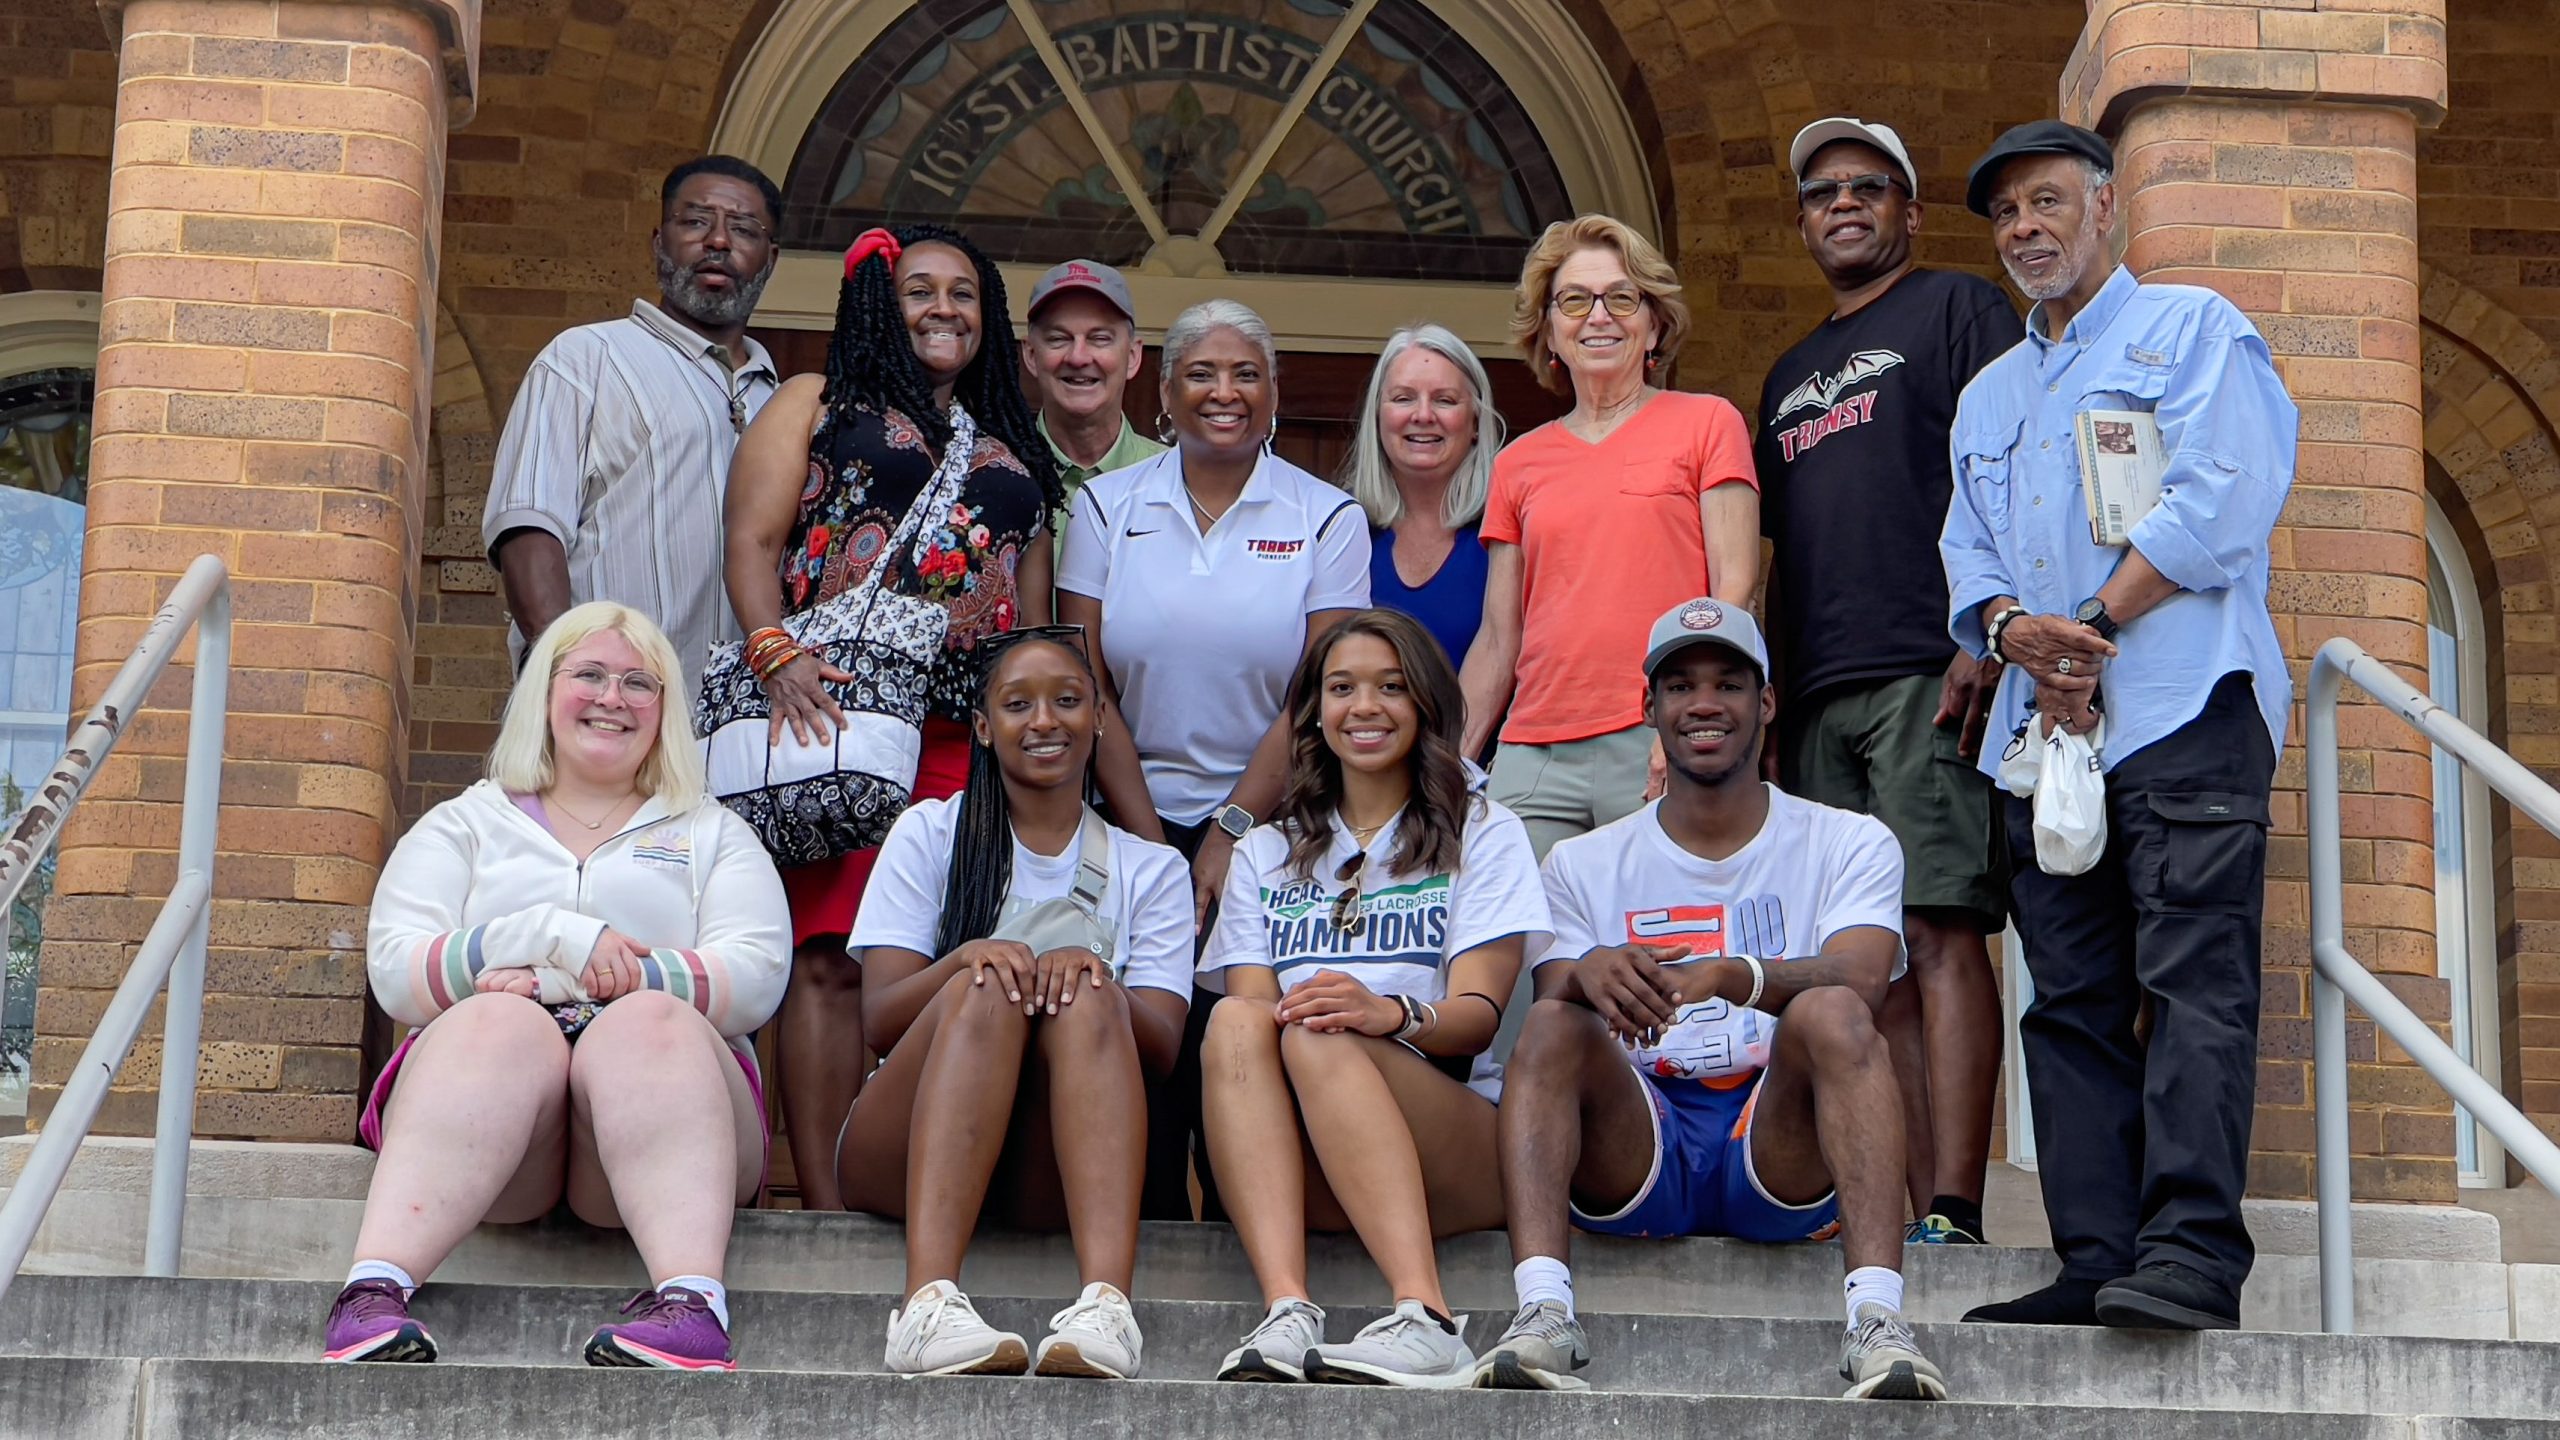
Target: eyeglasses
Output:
[(1574, 304), (1347, 919), (694, 224), (1865, 189), (589, 682)]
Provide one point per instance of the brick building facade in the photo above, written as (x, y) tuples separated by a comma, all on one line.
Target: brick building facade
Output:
[(329, 238)]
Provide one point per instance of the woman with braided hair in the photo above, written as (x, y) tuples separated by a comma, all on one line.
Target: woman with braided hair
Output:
[(1017, 1061), (823, 477)]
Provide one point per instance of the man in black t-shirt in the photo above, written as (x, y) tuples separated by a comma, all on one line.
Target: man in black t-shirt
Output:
[(1881, 712)]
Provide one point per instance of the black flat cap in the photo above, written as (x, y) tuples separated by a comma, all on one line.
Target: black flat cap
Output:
[(2036, 137)]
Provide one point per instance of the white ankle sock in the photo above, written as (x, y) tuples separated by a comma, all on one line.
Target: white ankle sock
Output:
[(1873, 1285), (713, 1293), (1543, 1277), (382, 1270)]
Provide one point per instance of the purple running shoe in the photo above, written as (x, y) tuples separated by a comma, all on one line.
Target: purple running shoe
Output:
[(675, 1331), (370, 1321)]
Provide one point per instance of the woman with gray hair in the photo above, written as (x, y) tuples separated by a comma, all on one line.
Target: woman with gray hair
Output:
[(1200, 577), (1420, 467)]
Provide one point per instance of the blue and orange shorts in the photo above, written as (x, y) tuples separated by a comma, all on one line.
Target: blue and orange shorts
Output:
[(1702, 1182)]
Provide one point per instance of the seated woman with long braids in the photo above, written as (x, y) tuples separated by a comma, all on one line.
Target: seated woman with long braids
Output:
[(1367, 939), (826, 473), (1017, 1067)]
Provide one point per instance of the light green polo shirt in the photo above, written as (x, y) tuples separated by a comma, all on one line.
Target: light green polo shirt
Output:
[(1128, 450)]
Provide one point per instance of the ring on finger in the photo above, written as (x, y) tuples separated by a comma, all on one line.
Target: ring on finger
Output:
[(2063, 665)]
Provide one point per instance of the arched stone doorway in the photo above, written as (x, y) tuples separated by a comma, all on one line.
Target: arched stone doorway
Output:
[(1343, 168)]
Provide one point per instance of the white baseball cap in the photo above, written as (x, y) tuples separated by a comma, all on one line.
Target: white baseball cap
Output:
[(1841, 127), (1705, 622)]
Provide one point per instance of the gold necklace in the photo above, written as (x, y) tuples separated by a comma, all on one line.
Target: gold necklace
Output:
[(554, 802)]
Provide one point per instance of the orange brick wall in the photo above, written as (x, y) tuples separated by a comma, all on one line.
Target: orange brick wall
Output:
[(261, 380), (2489, 233)]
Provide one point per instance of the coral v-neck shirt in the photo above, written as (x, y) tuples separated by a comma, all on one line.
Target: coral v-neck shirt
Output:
[(1610, 536)]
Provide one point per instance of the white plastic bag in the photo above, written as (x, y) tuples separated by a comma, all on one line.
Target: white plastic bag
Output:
[(2070, 802), (2023, 760)]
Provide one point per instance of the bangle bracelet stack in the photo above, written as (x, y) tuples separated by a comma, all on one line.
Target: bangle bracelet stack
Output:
[(769, 649), (1991, 632)]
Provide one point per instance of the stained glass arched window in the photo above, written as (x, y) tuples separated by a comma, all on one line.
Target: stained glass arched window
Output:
[(1405, 157)]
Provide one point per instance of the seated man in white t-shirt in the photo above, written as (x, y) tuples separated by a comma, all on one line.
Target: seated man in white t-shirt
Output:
[(1654, 1090)]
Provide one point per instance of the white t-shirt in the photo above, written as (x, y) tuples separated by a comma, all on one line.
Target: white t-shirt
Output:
[(1413, 924), (1148, 900), (1810, 873), (1202, 631)]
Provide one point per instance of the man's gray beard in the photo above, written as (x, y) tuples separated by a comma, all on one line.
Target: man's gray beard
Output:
[(685, 295), (2083, 252)]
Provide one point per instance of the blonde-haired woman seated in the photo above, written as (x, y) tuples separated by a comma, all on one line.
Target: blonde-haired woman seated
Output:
[(584, 940)]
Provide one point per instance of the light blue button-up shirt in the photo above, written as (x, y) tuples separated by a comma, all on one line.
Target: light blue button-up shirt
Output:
[(2018, 524)]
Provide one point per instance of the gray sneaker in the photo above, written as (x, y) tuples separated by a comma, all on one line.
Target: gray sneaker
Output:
[(1403, 1347), (1541, 1350), (1275, 1347), (1881, 1361)]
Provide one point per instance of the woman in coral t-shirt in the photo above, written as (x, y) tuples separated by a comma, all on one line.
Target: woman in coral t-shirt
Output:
[(1637, 500)]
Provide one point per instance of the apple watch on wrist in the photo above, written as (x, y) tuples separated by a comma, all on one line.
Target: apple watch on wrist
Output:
[(1235, 820), (2093, 613)]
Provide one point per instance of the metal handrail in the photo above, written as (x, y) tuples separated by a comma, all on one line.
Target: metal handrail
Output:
[(2338, 977), (173, 952)]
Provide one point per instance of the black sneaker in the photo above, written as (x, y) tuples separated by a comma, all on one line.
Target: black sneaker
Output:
[(1938, 1230), (2166, 1295), (2064, 1302)]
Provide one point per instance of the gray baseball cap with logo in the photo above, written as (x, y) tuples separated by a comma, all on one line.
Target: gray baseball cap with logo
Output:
[(1705, 622), (1090, 275)]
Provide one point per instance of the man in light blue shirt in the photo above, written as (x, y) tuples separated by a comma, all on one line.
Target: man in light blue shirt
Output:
[(2144, 1151)]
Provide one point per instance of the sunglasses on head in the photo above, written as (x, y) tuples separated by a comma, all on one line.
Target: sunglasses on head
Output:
[(994, 646)]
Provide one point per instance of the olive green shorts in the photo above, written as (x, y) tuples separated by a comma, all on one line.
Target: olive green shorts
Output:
[(1872, 746)]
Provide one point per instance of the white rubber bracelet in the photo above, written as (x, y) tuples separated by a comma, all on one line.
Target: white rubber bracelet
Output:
[(1759, 981)]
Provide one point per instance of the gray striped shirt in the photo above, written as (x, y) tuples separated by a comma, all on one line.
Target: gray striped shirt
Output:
[(619, 445)]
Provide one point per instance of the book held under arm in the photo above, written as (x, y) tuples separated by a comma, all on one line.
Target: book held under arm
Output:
[(2121, 462)]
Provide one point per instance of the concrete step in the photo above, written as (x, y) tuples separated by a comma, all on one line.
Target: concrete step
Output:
[(820, 1332), (254, 1400), (100, 1233)]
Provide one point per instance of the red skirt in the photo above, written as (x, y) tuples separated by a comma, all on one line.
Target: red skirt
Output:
[(824, 896)]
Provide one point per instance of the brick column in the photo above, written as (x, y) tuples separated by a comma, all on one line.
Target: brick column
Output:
[(2269, 152), (264, 378)]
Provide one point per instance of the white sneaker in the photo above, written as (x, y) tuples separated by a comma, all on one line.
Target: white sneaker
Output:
[(1277, 1345), (1403, 1347), (1096, 1337), (939, 1333)]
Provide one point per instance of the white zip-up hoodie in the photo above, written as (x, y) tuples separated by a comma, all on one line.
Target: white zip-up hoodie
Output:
[(478, 884)]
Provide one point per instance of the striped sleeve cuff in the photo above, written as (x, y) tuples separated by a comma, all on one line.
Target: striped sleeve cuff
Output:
[(453, 960), (680, 973)]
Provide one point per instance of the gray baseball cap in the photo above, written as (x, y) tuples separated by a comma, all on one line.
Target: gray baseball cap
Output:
[(1090, 275), (1705, 622)]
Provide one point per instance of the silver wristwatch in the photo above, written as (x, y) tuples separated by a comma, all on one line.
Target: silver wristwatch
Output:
[(1235, 820)]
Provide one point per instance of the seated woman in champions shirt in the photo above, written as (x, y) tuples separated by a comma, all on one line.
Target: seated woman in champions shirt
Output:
[(1366, 940), (1017, 1067), (583, 940)]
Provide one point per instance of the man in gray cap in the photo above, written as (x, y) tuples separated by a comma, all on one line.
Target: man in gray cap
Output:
[(2143, 1148), (1079, 355), (1881, 712), (1703, 1056)]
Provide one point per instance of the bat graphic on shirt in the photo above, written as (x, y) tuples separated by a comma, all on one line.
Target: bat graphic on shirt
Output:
[(1821, 392)]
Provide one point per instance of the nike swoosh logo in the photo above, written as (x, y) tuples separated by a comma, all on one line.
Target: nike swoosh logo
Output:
[(1134, 534)]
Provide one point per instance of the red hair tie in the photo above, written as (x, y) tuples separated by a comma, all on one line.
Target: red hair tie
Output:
[(867, 244)]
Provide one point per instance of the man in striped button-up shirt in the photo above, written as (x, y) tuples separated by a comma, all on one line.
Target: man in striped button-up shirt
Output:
[(615, 461)]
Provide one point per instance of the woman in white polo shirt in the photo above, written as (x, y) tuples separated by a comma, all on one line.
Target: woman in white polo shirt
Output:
[(1366, 941), (1202, 576)]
